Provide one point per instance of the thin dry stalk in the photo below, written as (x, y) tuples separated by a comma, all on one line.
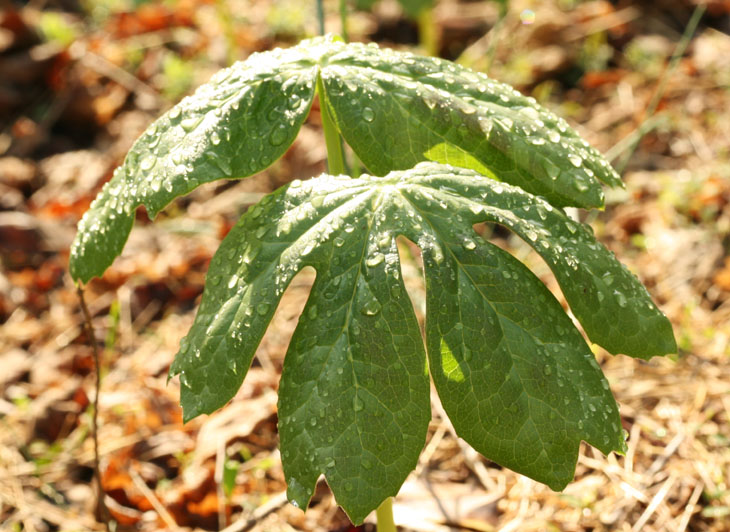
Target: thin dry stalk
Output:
[(102, 512)]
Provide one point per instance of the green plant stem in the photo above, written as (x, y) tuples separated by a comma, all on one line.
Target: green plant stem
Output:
[(320, 16), (384, 516), (427, 32), (494, 36), (335, 160), (225, 18), (343, 20)]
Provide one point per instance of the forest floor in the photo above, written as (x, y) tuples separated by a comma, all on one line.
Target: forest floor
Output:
[(76, 89)]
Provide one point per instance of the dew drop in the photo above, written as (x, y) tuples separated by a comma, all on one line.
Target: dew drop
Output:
[(184, 345), (308, 249), (147, 163), (368, 114), (547, 370), (278, 135), (188, 124), (262, 308), (575, 160), (371, 308), (505, 122), (376, 259)]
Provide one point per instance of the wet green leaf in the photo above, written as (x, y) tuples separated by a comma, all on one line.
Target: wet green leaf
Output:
[(234, 126), (514, 374), (393, 109), (516, 378)]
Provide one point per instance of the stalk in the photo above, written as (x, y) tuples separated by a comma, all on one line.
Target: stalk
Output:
[(495, 34), (343, 20), (102, 512), (335, 160), (320, 16), (384, 516), (427, 32)]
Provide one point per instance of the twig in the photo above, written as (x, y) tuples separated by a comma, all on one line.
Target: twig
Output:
[(242, 525), (669, 450), (102, 512), (654, 504), (220, 460), (662, 85), (120, 76), (153, 500), (690, 508), (430, 448)]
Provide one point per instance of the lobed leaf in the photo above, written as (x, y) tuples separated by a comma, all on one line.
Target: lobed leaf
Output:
[(354, 394), (516, 378), (397, 109), (611, 304), (394, 109), (234, 126)]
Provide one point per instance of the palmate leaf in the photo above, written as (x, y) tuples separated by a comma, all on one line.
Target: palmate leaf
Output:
[(514, 375), (393, 109)]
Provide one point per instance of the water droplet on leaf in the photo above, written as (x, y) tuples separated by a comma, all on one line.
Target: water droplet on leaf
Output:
[(575, 160), (278, 135)]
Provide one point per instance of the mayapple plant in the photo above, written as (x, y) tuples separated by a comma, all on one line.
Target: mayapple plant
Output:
[(446, 148)]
